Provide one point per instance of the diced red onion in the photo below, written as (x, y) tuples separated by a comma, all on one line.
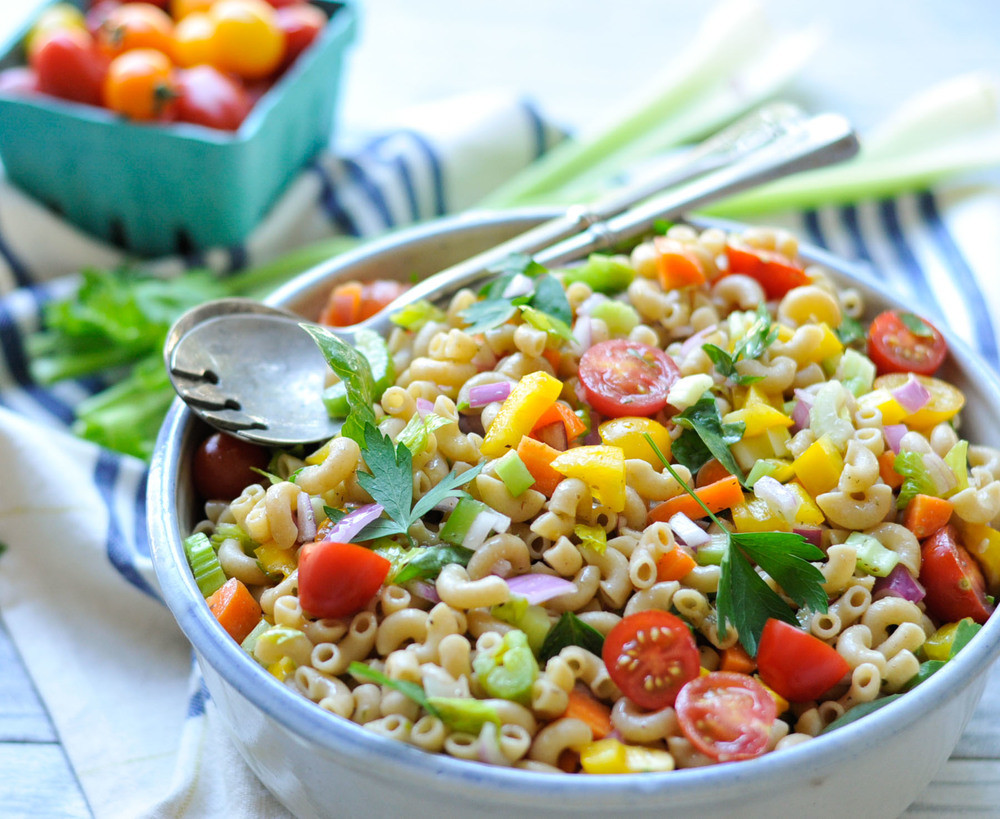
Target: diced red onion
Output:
[(305, 517), (694, 341), (912, 396), (424, 590), (520, 285), (588, 304), (592, 438), (583, 333), (424, 407), (800, 416), (899, 583), (349, 526), (480, 528), (539, 587), (483, 394), (810, 533), (554, 435), (689, 532), (777, 496), (893, 435)]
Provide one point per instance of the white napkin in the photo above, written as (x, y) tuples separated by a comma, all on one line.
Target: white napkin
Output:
[(76, 588)]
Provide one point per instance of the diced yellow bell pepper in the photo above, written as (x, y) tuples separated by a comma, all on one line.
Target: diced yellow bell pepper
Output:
[(780, 701), (602, 468), (282, 668), (983, 543), (785, 333), (531, 396), (772, 443), (755, 395), (320, 454), (828, 347), (808, 513), (609, 756), (819, 467), (274, 560), (628, 434), (755, 515), (758, 418), (938, 645), (882, 400)]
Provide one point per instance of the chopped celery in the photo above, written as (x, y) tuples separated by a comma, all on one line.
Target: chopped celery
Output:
[(416, 315), (416, 434), (532, 620), (760, 469), (204, 563), (509, 672), (460, 520), (917, 479), (620, 318), (231, 531), (514, 474), (547, 323), (373, 347), (856, 372), (958, 461), (602, 274), (464, 714), (711, 554), (873, 558), (250, 641)]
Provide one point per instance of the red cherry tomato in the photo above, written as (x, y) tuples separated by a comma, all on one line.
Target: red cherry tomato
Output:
[(301, 24), (796, 664), (953, 580), (68, 66), (895, 347), (206, 96), (352, 302), (727, 716), (650, 655), (223, 466), (622, 377), (338, 579), (775, 272)]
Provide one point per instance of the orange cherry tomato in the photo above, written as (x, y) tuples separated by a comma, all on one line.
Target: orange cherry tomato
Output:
[(140, 85), (136, 25), (248, 41), (194, 40), (179, 9)]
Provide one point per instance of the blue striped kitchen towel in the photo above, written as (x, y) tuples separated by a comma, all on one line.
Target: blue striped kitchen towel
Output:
[(77, 591)]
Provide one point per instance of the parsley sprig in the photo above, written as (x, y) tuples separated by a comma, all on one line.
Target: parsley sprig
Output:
[(744, 600), (760, 335), (705, 436)]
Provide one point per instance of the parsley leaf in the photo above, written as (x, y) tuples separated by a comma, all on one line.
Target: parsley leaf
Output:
[(550, 298), (419, 562), (412, 690), (487, 314), (850, 331), (545, 307), (726, 365), (570, 630), (704, 420), (758, 337), (916, 325)]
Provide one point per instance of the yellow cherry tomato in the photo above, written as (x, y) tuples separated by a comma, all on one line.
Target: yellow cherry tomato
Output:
[(140, 85), (179, 9), (194, 40), (944, 403), (248, 41), (55, 18)]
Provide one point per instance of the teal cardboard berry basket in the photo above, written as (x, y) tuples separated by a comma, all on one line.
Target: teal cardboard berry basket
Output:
[(157, 189)]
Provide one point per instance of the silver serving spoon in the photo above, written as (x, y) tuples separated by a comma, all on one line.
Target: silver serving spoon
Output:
[(249, 369)]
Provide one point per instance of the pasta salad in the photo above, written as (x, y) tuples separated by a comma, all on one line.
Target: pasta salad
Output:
[(661, 509)]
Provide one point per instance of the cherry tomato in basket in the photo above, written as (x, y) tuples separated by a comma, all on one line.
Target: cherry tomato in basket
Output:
[(140, 84), (775, 272), (352, 302), (194, 40), (206, 96), (179, 9), (953, 580), (68, 66), (136, 25), (796, 664), (282, 3), (98, 13), (650, 656), (727, 716), (301, 24), (224, 465), (901, 342), (248, 41), (338, 579), (57, 17), (622, 377)]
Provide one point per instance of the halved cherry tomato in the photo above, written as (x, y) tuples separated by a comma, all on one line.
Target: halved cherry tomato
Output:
[(68, 66), (945, 401), (796, 664), (953, 580), (352, 302), (727, 716), (140, 84), (301, 24), (135, 25), (248, 41), (622, 377), (223, 466), (775, 272), (338, 579), (206, 96), (901, 342), (650, 656)]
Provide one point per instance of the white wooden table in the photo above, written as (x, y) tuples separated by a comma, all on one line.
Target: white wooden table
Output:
[(576, 58)]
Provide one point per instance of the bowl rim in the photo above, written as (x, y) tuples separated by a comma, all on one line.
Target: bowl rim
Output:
[(359, 748)]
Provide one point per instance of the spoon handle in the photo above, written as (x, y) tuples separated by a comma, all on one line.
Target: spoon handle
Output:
[(769, 147)]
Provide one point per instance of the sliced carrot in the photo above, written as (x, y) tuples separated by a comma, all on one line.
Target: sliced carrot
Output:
[(711, 472), (235, 608), (887, 472), (735, 658), (677, 265), (925, 514), (553, 356), (584, 706), (673, 565), (716, 496), (538, 458), (560, 411)]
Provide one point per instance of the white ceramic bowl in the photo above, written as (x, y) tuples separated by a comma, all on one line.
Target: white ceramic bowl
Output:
[(320, 765)]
